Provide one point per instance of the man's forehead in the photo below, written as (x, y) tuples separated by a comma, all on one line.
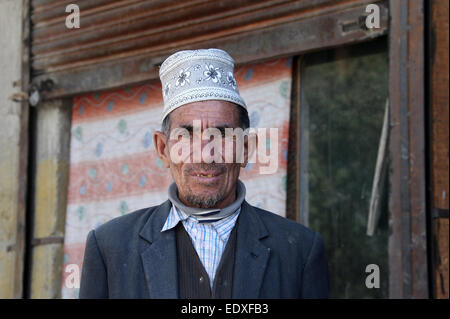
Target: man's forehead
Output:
[(213, 112)]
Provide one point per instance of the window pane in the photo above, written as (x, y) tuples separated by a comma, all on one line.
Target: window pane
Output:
[(344, 94)]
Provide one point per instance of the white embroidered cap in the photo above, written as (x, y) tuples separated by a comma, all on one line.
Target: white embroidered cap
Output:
[(198, 75)]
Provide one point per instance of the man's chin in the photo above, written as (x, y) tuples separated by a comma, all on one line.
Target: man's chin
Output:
[(202, 201), (204, 198)]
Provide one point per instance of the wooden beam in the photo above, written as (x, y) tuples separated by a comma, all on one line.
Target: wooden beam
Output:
[(13, 145), (50, 197), (293, 166), (408, 270), (439, 147), (24, 152)]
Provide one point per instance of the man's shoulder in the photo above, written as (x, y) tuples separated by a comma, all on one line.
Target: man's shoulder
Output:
[(128, 223), (279, 226)]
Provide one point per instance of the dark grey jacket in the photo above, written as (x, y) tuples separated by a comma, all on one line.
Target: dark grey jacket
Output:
[(129, 257)]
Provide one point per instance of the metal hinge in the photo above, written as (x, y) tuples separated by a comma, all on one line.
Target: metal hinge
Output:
[(354, 25), (439, 213), (33, 97)]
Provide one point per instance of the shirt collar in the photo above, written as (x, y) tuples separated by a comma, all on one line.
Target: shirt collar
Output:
[(208, 214), (174, 217), (221, 226)]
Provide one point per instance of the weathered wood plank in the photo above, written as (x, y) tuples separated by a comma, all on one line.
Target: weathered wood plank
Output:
[(50, 197), (408, 265), (439, 41), (13, 146)]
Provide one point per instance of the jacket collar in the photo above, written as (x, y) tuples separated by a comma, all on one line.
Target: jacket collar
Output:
[(160, 259), (251, 255), (152, 228)]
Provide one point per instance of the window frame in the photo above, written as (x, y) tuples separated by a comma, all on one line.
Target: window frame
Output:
[(408, 257)]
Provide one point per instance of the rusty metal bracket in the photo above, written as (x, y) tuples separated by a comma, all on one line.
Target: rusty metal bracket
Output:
[(19, 97), (354, 25), (439, 213), (34, 95), (47, 241)]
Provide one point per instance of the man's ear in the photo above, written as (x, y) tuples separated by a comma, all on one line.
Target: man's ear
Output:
[(161, 147)]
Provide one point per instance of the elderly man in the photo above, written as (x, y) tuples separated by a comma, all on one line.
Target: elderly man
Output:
[(205, 241)]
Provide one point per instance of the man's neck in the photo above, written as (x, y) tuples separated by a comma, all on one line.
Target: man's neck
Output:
[(225, 208), (223, 203)]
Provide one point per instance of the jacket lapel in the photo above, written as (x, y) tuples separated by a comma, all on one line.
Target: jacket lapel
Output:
[(159, 259), (251, 255)]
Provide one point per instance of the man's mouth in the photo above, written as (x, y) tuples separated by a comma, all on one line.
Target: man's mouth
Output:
[(207, 177), (206, 174)]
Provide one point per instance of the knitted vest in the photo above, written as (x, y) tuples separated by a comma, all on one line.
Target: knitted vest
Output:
[(193, 280)]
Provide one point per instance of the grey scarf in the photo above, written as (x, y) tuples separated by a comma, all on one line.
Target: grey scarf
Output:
[(208, 214)]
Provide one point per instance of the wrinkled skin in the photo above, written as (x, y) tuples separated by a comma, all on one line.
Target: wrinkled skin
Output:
[(202, 185)]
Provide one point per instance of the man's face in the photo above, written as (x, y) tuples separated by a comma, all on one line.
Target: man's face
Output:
[(201, 184)]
